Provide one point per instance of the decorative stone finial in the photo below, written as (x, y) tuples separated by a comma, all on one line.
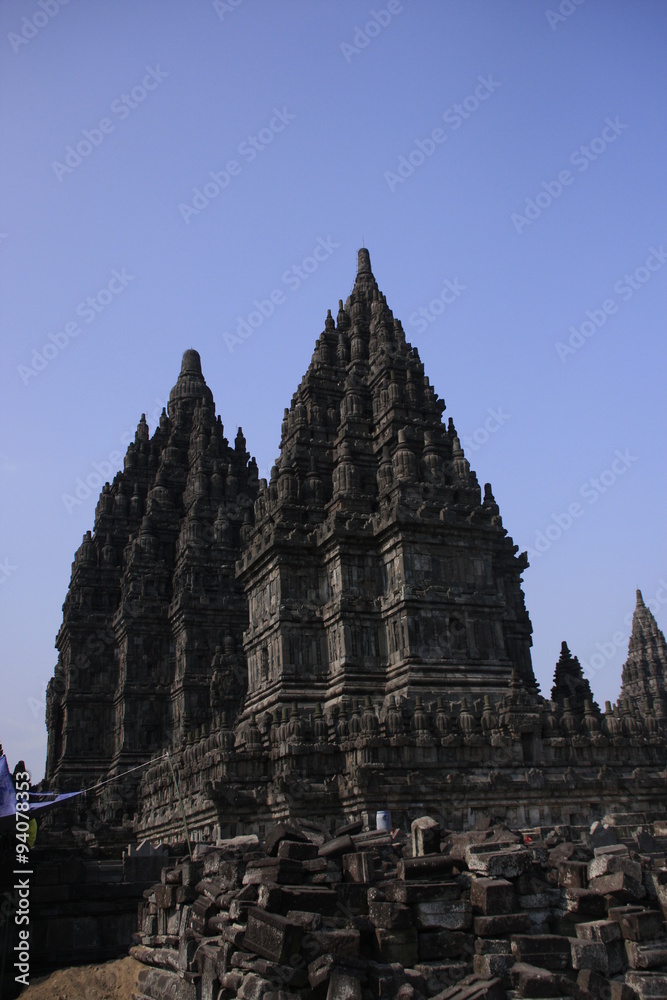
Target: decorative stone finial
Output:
[(191, 364), (364, 266)]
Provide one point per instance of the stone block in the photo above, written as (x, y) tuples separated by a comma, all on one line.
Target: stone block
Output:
[(501, 924), (385, 980), (231, 980), (599, 930), (192, 872), (589, 955), (272, 936), (343, 986), (547, 951), (489, 896), (643, 926), (397, 946), (421, 892), (281, 832), (647, 985), (608, 864), (616, 957), (297, 850), (436, 946), (425, 832), (508, 863), (281, 871), (202, 910), (441, 975), (474, 989), (185, 894), (165, 896), (648, 955), (358, 867), (620, 885), (309, 921), (661, 896), (492, 946), (573, 874), (532, 981), (313, 898), (187, 951), (592, 984), (254, 987), (585, 903), (443, 914), (488, 966), (645, 841), (619, 990), (601, 835), (337, 847), (390, 915), (342, 943), (610, 849), (162, 983), (433, 867)]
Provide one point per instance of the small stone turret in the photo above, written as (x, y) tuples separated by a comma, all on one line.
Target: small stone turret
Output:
[(570, 683)]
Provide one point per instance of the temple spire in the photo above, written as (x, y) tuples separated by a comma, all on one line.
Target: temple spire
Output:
[(644, 678), (364, 262), (570, 683), (365, 283)]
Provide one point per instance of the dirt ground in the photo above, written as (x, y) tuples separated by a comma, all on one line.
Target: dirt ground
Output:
[(111, 981)]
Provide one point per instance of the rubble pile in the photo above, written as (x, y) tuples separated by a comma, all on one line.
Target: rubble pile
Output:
[(489, 914)]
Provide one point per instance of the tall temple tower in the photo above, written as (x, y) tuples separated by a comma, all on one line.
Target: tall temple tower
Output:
[(644, 678), (376, 567), (150, 645)]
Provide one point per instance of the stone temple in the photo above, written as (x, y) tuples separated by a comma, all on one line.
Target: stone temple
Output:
[(350, 636)]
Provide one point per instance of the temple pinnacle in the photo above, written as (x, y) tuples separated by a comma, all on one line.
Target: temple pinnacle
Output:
[(364, 266)]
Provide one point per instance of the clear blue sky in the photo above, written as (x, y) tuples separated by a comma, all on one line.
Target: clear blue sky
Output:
[(532, 149)]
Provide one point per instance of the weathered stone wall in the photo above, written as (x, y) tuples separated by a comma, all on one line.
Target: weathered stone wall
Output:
[(524, 761)]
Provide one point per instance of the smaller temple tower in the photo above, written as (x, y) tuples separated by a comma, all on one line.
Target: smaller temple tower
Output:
[(644, 678), (570, 683)]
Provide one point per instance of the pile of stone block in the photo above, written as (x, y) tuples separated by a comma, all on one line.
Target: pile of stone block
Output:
[(490, 914)]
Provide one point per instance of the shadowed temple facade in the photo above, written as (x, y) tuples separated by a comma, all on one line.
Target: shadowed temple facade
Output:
[(349, 636)]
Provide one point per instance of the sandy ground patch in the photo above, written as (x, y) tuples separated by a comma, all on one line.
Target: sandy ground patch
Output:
[(111, 981)]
